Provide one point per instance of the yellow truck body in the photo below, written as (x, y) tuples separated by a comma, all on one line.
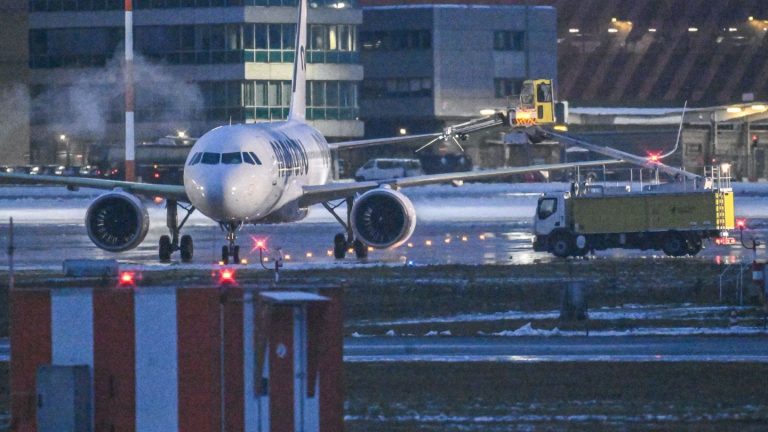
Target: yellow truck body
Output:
[(649, 212)]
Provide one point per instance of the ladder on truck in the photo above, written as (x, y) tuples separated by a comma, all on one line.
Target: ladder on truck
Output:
[(717, 177), (720, 220)]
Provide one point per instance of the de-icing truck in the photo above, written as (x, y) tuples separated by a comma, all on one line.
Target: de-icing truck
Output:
[(577, 222)]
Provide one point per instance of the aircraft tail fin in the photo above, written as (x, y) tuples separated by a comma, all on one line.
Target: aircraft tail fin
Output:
[(299, 80)]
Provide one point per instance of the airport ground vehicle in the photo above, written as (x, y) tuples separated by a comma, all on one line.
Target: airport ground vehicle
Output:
[(577, 222), (387, 168), (537, 106)]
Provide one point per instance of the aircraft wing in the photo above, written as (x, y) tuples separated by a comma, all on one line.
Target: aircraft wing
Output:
[(630, 158), (339, 190), (451, 132), (380, 141), (174, 192)]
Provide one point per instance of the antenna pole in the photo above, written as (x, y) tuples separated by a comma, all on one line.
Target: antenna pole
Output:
[(130, 137), (11, 248), (679, 133)]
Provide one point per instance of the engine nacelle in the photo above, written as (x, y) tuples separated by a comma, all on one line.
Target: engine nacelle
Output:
[(117, 221), (383, 218)]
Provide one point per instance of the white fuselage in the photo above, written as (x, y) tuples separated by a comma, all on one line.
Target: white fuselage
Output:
[(255, 173)]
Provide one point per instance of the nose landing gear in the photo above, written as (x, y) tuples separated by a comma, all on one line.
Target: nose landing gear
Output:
[(231, 251)]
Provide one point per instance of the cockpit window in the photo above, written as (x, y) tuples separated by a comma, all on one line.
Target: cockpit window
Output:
[(248, 159), (231, 158), (210, 158), (255, 158), (195, 159)]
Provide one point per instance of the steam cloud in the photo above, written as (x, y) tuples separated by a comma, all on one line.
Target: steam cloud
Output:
[(14, 106), (85, 107)]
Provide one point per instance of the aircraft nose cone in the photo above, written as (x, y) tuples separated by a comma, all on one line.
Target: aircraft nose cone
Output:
[(226, 197)]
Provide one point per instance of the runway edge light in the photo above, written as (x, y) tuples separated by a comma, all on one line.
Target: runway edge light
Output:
[(126, 279), (227, 276)]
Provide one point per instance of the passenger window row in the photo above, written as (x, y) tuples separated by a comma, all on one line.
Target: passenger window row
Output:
[(234, 158)]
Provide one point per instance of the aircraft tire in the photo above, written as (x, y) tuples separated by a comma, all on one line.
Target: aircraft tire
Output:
[(361, 249), (164, 248), (339, 246), (186, 248), (225, 254)]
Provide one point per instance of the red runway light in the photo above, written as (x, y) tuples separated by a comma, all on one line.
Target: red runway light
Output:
[(226, 276), (127, 278), (259, 243), (741, 224)]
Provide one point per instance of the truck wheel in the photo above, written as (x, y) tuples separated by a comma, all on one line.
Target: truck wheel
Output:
[(580, 246), (693, 244), (562, 244), (674, 244)]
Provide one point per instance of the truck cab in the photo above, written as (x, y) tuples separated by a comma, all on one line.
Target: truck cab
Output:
[(550, 214), (537, 105)]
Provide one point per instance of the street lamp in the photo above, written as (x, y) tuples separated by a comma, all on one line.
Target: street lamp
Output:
[(65, 140)]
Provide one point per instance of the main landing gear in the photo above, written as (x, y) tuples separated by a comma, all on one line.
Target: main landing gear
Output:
[(172, 243), (230, 252), (343, 241)]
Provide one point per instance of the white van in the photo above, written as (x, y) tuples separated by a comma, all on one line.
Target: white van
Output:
[(379, 169)]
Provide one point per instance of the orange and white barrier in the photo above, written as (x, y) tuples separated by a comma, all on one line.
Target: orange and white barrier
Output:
[(758, 274), (186, 359)]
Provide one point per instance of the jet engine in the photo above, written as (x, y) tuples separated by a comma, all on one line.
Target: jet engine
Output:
[(383, 218), (117, 221)]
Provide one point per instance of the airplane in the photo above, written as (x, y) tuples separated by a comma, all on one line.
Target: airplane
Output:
[(269, 173)]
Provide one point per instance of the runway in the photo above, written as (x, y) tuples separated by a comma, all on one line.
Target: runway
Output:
[(570, 349), (473, 224), (545, 350)]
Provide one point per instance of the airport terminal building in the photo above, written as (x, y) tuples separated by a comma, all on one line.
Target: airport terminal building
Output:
[(200, 64), (195, 68), (429, 65)]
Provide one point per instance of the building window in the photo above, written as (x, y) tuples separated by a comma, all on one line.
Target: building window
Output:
[(75, 5), (334, 43), (73, 47), (397, 88), (332, 100), (506, 40), (505, 87), (193, 44), (396, 40), (270, 100), (98, 5)]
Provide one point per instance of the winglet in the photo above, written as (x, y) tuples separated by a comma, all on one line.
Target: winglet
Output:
[(299, 80)]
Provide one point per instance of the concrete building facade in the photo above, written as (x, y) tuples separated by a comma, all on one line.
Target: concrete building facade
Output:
[(14, 74), (199, 64), (429, 65)]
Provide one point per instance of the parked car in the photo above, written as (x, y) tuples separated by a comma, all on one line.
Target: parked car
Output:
[(378, 169)]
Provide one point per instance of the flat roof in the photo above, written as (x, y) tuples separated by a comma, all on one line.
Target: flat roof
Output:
[(292, 297)]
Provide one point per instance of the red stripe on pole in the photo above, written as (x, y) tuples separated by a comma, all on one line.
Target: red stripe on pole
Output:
[(281, 406), (128, 5), (199, 354), (114, 360), (234, 390), (330, 361), (130, 170), (30, 347)]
